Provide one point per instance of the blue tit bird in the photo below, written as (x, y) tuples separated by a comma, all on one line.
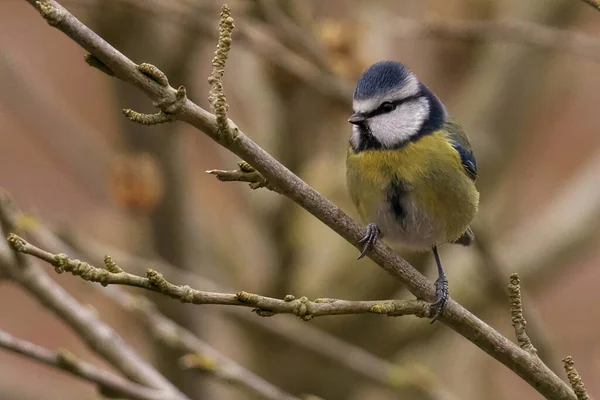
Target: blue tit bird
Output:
[(410, 169)]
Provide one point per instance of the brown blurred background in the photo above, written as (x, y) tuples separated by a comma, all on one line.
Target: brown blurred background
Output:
[(70, 159)]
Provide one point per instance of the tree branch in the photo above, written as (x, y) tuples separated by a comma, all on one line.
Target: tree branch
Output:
[(62, 359), (354, 358), (96, 334), (258, 37), (165, 329), (263, 306), (528, 367), (295, 331)]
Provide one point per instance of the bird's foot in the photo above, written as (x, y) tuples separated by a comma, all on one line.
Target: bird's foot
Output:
[(441, 296), (371, 235)]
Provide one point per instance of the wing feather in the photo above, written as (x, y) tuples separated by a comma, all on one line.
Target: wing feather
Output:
[(460, 142)]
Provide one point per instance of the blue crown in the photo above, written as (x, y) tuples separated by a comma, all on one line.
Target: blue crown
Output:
[(381, 77)]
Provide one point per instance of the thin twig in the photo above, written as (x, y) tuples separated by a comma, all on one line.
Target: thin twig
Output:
[(381, 371), (516, 313), (575, 379), (530, 368), (263, 306), (245, 173), (62, 359), (295, 331)]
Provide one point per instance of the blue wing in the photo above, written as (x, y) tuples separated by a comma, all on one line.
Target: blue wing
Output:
[(467, 159), (460, 142)]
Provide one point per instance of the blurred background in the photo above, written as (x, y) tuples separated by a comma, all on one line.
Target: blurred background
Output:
[(520, 76)]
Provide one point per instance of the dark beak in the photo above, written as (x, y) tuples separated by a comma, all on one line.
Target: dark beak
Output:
[(356, 119)]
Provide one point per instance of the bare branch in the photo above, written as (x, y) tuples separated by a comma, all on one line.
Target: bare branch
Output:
[(246, 173), (263, 306), (99, 336), (530, 368), (295, 331), (93, 331), (66, 361), (146, 119), (257, 36), (308, 336), (575, 379), (162, 327)]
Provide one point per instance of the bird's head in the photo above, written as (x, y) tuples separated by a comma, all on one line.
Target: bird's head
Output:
[(391, 107)]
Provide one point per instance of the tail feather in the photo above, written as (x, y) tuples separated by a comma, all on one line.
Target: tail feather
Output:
[(466, 239)]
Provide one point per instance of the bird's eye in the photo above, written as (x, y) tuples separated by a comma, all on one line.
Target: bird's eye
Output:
[(387, 107)]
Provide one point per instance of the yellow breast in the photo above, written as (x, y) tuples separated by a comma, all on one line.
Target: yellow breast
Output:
[(440, 199)]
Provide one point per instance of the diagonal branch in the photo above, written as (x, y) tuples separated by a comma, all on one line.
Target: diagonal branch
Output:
[(62, 359), (263, 306), (258, 37), (528, 367)]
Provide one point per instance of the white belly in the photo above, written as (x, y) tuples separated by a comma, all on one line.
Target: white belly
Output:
[(416, 230)]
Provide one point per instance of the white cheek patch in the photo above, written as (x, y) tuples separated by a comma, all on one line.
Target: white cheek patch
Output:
[(400, 125)]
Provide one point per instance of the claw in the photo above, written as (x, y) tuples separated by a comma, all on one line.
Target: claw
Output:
[(441, 297), (371, 235)]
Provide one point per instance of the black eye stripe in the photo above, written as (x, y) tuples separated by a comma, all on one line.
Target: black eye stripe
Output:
[(382, 109)]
